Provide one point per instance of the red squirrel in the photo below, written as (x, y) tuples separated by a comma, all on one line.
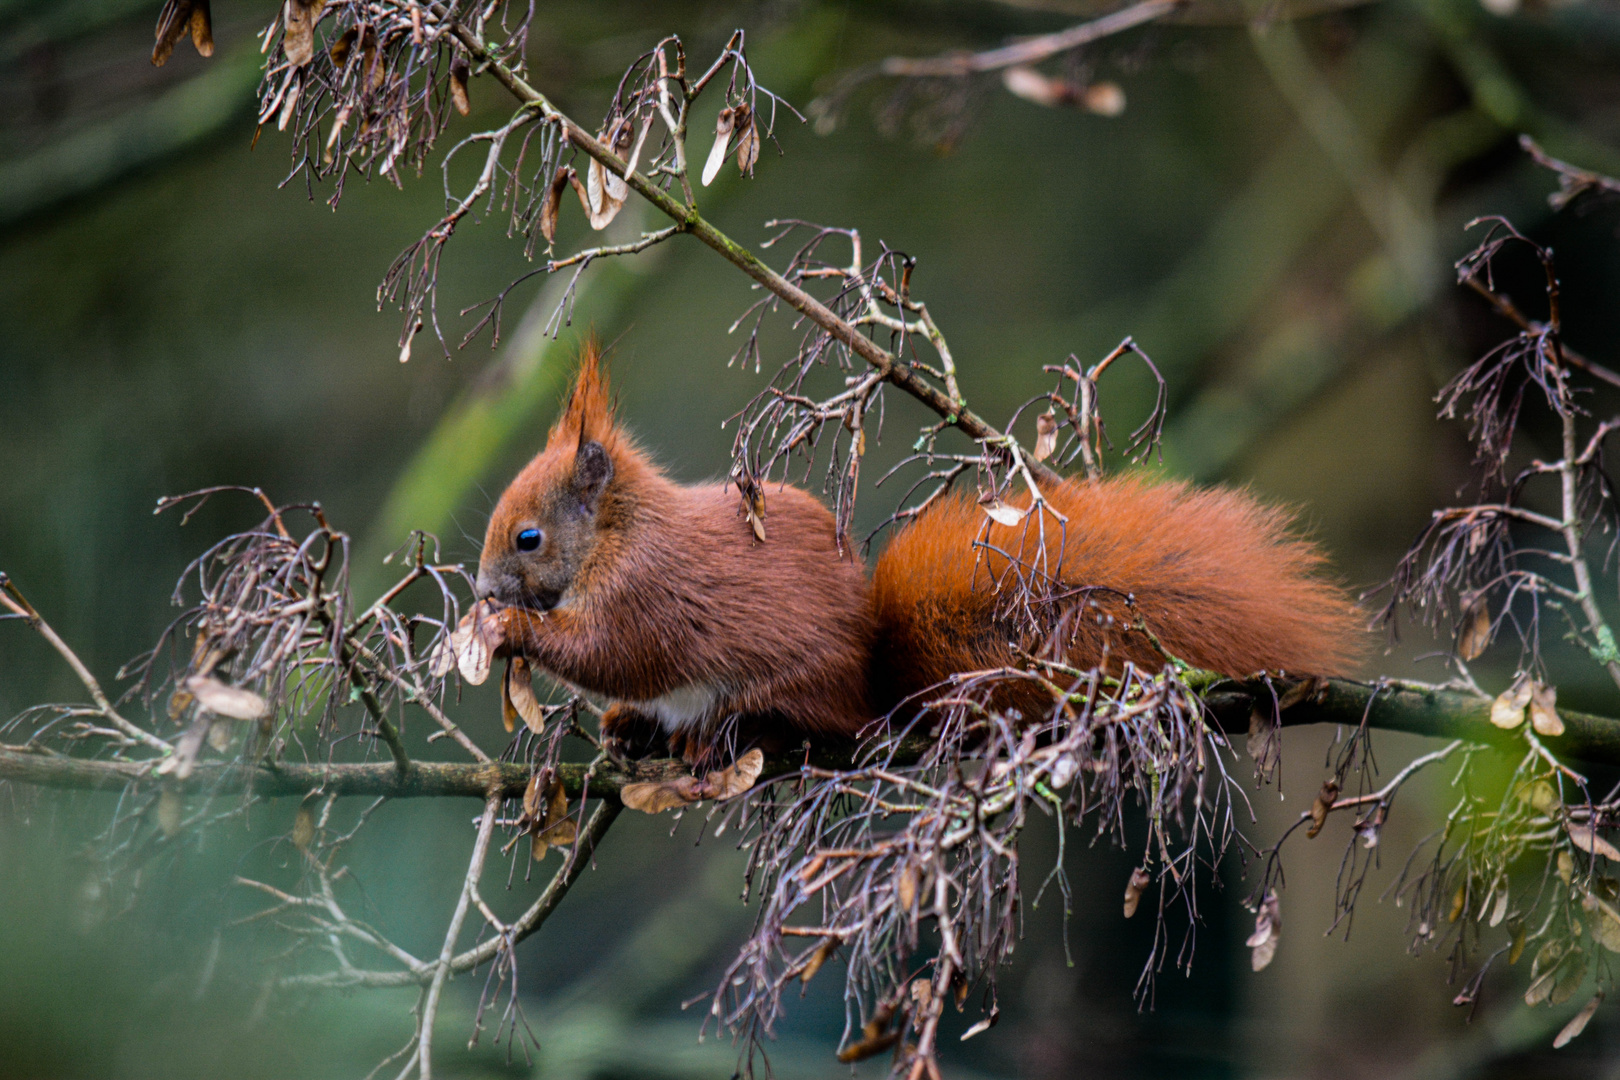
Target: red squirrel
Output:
[(616, 579)]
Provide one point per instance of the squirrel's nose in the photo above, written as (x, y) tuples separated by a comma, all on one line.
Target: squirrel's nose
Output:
[(484, 586)]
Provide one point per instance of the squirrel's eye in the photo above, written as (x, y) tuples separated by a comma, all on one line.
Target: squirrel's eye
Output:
[(528, 540)]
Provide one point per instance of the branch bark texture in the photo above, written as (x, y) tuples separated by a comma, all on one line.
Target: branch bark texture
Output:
[(1417, 709)]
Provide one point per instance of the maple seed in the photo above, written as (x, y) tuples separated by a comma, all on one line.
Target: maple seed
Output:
[(717, 153), (1587, 839), (520, 693), (747, 139), (875, 1037), (298, 41), (1476, 628), (654, 796), (1002, 514), (174, 21), (1133, 889), (823, 953), (906, 887), (1323, 804), (232, 702), (553, 203), (169, 808), (458, 85), (1267, 929), (1578, 1022), (545, 812), (1544, 710), (1507, 711), (202, 28), (303, 830), (1046, 429)]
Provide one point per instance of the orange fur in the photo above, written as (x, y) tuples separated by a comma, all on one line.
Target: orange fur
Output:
[(1215, 575), (672, 607), (657, 594)]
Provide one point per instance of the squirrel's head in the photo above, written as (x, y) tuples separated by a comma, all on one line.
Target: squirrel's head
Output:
[(549, 519)]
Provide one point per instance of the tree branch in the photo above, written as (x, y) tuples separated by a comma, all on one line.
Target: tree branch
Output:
[(1390, 706)]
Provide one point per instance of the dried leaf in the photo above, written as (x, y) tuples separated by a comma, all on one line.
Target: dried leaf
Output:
[(1133, 889), (1517, 948), (875, 1037), (599, 209), (173, 22), (747, 139), (328, 155), (735, 778), (1046, 429), (219, 736), (170, 806), (717, 153), (656, 796), (1507, 711), (1544, 710), (922, 993), (1566, 867), (534, 798), (1264, 744), (443, 657), (289, 104), (1578, 1022), (1458, 902), (303, 828), (179, 701), (553, 202), (232, 702), (509, 713), (1586, 838), (202, 27), (1539, 990), (1568, 977), (1002, 514), (551, 826), (1499, 912), (983, 1025), (459, 70), (520, 690), (472, 647), (756, 523), (823, 953), (1320, 808), (1267, 931), (298, 41), (1605, 924), (1476, 628), (339, 52), (1104, 99), (906, 886)]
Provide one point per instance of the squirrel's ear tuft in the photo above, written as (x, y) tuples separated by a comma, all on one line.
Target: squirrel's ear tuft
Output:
[(589, 414), (593, 469)]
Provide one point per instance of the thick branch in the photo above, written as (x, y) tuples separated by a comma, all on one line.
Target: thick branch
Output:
[(1421, 710)]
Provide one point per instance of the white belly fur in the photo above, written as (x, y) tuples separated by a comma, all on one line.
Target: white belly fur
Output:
[(689, 706)]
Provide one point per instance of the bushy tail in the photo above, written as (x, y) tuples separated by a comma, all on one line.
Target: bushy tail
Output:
[(1214, 575)]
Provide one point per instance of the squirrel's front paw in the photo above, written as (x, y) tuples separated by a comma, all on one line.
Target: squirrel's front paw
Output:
[(628, 734)]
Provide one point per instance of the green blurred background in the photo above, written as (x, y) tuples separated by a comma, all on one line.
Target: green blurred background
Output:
[(1273, 219)]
